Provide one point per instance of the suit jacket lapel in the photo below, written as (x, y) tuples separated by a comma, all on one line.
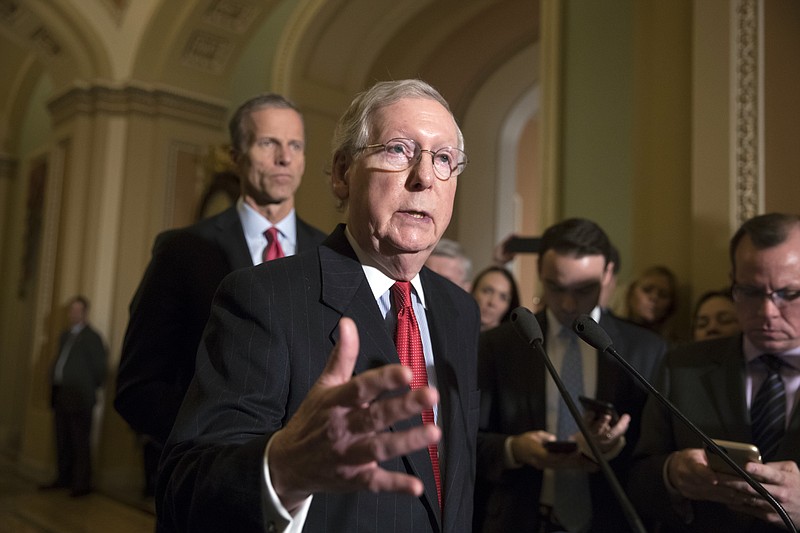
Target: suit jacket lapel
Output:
[(346, 291), (305, 235), (442, 314), (611, 382), (230, 237), (725, 385), (537, 403)]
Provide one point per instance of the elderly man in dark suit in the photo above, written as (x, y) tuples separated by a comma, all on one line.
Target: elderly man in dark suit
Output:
[(720, 384), (173, 301), (79, 370), (300, 413), (521, 485)]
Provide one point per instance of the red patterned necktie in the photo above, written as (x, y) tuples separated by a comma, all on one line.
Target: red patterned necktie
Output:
[(273, 249), (409, 348)]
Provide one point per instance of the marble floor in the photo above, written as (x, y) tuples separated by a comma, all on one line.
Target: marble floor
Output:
[(25, 509)]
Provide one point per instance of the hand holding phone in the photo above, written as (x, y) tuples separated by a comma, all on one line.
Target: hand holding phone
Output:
[(600, 408), (741, 452), (561, 446)]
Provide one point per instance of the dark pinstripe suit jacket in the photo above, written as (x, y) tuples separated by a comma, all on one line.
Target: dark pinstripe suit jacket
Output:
[(268, 339), (170, 310), (705, 380)]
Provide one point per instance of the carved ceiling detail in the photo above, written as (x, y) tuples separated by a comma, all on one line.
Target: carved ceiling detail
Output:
[(231, 15), (25, 27)]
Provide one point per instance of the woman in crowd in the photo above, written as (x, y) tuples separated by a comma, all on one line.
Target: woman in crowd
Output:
[(714, 316), (651, 299), (496, 292)]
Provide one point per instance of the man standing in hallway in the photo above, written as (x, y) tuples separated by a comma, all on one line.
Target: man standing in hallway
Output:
[(78, 372), (171, 305)]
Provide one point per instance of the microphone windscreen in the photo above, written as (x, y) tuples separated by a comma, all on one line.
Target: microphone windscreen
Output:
[(591, 332), (526, 325)]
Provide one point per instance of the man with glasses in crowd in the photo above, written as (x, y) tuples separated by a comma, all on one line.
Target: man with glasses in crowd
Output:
[(741, 388), (300, 413)]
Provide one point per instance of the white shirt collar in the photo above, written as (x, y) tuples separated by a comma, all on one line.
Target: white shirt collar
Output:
[(255, 224), (379, 282)]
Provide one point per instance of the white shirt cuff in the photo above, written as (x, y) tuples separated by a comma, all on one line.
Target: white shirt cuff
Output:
[(508, 455), (289, 523)]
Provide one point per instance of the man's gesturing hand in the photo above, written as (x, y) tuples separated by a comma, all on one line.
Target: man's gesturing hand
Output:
[(336, 438)]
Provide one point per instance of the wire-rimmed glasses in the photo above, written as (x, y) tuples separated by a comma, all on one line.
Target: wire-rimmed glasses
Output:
[(780, 297), (401, 154)]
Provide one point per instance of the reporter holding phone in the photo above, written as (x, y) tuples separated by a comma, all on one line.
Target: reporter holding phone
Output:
[(520, 483), (720, 385)]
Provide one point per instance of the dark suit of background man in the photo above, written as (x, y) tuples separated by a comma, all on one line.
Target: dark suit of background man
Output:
[(79, 370), (716, 382), (172, 304), (520, 403), (299, 412)]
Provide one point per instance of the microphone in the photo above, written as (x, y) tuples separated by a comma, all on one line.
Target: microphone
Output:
[(593, 334), (527, 327)]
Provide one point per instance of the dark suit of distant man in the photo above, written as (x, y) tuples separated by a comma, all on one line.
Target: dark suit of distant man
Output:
[(78, 372)]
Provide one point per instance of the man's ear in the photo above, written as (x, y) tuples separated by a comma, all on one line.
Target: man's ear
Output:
[(340, 180), (609, 271), (234, 154)]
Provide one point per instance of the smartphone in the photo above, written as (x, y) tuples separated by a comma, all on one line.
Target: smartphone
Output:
[(522, 245), (600, 408), (561, 446), (741, 452)]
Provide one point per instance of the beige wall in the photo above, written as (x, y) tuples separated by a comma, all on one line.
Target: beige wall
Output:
[(782, 106)]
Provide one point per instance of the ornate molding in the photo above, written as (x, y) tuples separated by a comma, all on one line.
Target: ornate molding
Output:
[(232, 15), (133, 99), (26, 27), (207, 51), (747, 83)]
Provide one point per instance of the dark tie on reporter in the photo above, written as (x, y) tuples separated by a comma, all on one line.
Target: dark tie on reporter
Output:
[(768, 409), (572, 505), (408, 341)]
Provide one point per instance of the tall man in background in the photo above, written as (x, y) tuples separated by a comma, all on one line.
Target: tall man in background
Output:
[(172, 304), (300, 412)]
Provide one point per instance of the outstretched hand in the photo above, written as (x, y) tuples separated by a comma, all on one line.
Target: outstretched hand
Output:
[(337, 437)]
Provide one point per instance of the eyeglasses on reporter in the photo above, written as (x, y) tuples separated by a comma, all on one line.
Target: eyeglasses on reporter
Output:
[(780, 297), (401, 154)]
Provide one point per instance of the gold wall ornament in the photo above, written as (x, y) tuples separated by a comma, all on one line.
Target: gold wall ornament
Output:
[(748, 154)]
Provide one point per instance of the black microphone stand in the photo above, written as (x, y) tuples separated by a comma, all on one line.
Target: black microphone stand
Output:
[(525, 324), (594, 335)]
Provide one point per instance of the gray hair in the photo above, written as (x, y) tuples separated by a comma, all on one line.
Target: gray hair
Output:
[(450, 248), (353, 129)]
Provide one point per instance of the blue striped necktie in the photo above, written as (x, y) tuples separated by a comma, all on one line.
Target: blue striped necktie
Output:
[(768, 410), (573, 503)]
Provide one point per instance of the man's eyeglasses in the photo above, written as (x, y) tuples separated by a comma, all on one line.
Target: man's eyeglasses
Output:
[(781, 297), (401, 154)]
